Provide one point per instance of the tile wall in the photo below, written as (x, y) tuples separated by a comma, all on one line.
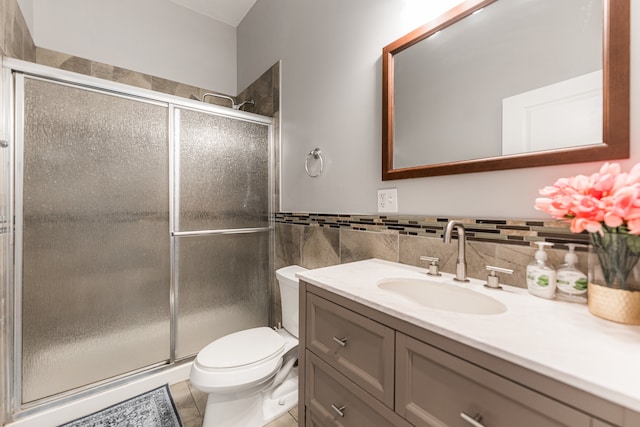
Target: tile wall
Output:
[(262, 90), (265, 91), (320, 240), (15, 39)]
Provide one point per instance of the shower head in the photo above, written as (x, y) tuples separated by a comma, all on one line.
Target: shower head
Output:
[(233, 103), (238, 106)]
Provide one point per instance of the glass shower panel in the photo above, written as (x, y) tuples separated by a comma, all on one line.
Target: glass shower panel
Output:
[(223, 287), (222, 276), (224, 172), (96, 249)]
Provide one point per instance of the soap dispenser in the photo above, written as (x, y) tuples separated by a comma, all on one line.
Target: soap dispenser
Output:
[(571, 282), (541, 277)]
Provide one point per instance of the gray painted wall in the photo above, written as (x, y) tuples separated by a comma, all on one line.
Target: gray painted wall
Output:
[(331, 98), (156, 37), (331, 90)]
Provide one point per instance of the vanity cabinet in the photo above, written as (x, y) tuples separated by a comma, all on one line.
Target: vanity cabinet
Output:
[(362, 367), (357, 347), (435, 388), (334, 400)]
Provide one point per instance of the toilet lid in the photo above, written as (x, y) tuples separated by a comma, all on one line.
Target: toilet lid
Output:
[(241, 348)]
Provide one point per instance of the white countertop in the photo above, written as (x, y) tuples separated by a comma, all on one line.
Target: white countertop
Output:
[(559, 339)]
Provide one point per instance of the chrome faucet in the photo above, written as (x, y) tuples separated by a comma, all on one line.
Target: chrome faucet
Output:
[(461, 262)]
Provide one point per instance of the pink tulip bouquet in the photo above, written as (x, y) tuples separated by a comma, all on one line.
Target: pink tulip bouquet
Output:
[(606, 204)]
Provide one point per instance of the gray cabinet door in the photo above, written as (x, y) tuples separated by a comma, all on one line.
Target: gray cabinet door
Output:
[(333, 400), (434, 388), (356, 346)]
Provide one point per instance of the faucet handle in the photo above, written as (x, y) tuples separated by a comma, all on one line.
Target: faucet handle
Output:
[(433, 267), (493, 281)]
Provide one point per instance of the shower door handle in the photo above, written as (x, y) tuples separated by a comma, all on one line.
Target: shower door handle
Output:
[(248, 230)]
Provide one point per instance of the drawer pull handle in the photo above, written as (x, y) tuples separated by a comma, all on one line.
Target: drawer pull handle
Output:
[(341, 341), (474, 421), (339, 411)]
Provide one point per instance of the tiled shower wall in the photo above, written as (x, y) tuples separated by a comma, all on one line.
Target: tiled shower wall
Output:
[(15, 39), (320, 240), (264, 91)]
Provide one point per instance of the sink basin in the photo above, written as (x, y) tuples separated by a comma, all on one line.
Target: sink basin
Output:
[(443, 296)]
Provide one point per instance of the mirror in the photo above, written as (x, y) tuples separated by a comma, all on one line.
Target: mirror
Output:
[(496, 84)]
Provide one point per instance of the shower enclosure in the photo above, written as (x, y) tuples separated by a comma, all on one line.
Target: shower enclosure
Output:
[(142, 230)]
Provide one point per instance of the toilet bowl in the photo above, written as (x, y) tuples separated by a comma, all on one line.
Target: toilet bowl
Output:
[(251, 376)]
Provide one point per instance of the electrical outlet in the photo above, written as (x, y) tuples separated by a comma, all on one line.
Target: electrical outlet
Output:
[(388, 200)]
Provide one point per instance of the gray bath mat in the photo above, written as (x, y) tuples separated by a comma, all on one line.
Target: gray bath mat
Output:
[(154, 408)]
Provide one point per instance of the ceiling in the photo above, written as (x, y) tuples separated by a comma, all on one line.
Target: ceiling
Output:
[(228, 11)]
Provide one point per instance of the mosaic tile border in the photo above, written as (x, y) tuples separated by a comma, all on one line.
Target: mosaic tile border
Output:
[(500, 231)]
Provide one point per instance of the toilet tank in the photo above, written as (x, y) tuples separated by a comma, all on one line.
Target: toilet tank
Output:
[(288, 284)]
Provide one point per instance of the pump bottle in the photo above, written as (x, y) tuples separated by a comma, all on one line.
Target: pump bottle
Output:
[(541, 277), (571, 282)]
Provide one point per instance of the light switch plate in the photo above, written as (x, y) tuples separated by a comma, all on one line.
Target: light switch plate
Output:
[(388, 200)]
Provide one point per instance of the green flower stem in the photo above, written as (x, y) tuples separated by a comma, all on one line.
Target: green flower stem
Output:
[(618, 253)]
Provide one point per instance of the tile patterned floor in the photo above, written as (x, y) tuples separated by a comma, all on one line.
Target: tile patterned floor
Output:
[(191, 403)]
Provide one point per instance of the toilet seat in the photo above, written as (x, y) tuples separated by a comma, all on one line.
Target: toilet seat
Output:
[(240, 359), (241, 348)]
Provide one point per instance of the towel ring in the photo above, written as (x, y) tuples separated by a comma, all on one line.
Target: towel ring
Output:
[(314, 155)]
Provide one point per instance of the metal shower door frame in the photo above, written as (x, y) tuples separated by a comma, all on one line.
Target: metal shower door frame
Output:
[(18, 80), (12, 114), (174, 185), (7, 250)]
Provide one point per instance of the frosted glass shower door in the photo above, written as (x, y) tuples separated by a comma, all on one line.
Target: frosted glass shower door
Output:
[(222, 227), (95, 236)]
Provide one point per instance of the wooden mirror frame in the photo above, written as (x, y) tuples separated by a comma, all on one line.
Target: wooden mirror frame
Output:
[(615, 129)]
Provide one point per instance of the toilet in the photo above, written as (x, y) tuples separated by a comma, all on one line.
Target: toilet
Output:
[(251, 376)]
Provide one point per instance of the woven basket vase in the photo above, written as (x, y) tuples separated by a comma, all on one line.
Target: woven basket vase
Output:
[(614, 277), (617, 305)]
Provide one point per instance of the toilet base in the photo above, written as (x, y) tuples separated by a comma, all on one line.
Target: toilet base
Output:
[(255, 410), (284, 398)]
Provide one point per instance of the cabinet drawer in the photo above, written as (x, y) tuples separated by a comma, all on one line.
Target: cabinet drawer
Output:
[(433, 388), (358, 347), (333, 400)]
